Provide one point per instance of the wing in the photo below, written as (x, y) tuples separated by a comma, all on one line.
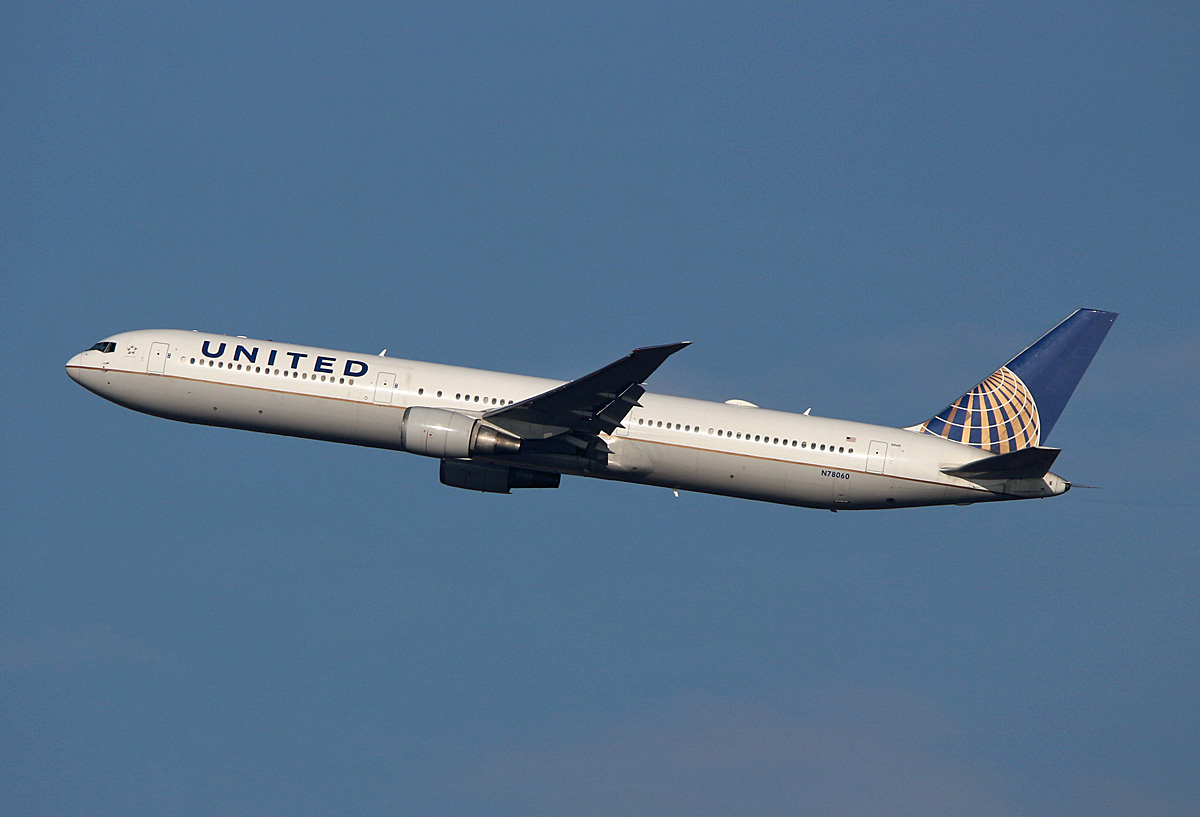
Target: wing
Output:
[(592, 405)]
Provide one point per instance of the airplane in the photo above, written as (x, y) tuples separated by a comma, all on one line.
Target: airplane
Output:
[(495, 432)]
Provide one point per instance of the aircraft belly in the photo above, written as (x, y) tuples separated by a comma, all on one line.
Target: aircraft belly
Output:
[(271, 411), (718, 472), (791, 483), (628, 459), (767, 480), (674, 465)]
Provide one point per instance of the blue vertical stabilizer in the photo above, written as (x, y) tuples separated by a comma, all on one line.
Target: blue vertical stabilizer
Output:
[(1018, 405)]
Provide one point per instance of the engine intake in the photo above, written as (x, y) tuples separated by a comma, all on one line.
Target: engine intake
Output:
[(436, 432)]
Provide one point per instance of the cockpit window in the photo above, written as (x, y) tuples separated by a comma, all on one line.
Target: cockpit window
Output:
[(104, 346)]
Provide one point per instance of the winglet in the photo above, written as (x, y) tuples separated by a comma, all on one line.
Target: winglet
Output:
[(648, 358)]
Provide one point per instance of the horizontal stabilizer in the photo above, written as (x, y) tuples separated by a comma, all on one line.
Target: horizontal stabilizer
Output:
[(1025, 463)]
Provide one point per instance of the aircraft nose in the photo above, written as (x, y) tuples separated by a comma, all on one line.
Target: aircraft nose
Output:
[(73, 366)]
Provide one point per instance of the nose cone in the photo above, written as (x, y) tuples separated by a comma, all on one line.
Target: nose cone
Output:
[(74, 365)]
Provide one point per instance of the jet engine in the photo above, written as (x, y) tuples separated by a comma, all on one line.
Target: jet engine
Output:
[(436, 432), (494, 479)]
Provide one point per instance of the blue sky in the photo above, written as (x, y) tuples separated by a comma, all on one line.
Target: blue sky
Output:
[(862, 208)]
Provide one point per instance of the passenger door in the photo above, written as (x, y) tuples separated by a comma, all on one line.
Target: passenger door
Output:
[(877, 457)]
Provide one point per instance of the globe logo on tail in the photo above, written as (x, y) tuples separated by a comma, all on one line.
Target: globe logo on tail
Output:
[(998, 415)]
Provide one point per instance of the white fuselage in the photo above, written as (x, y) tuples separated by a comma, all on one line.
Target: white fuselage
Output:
[(674, 442)]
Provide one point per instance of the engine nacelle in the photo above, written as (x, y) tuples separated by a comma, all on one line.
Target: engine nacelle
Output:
[(494, 479), (437, 432)]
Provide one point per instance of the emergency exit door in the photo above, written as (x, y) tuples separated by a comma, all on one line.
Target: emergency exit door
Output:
[(156, 363), (385, 384)]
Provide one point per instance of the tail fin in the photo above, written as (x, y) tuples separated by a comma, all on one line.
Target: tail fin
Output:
[(1017, 406)]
